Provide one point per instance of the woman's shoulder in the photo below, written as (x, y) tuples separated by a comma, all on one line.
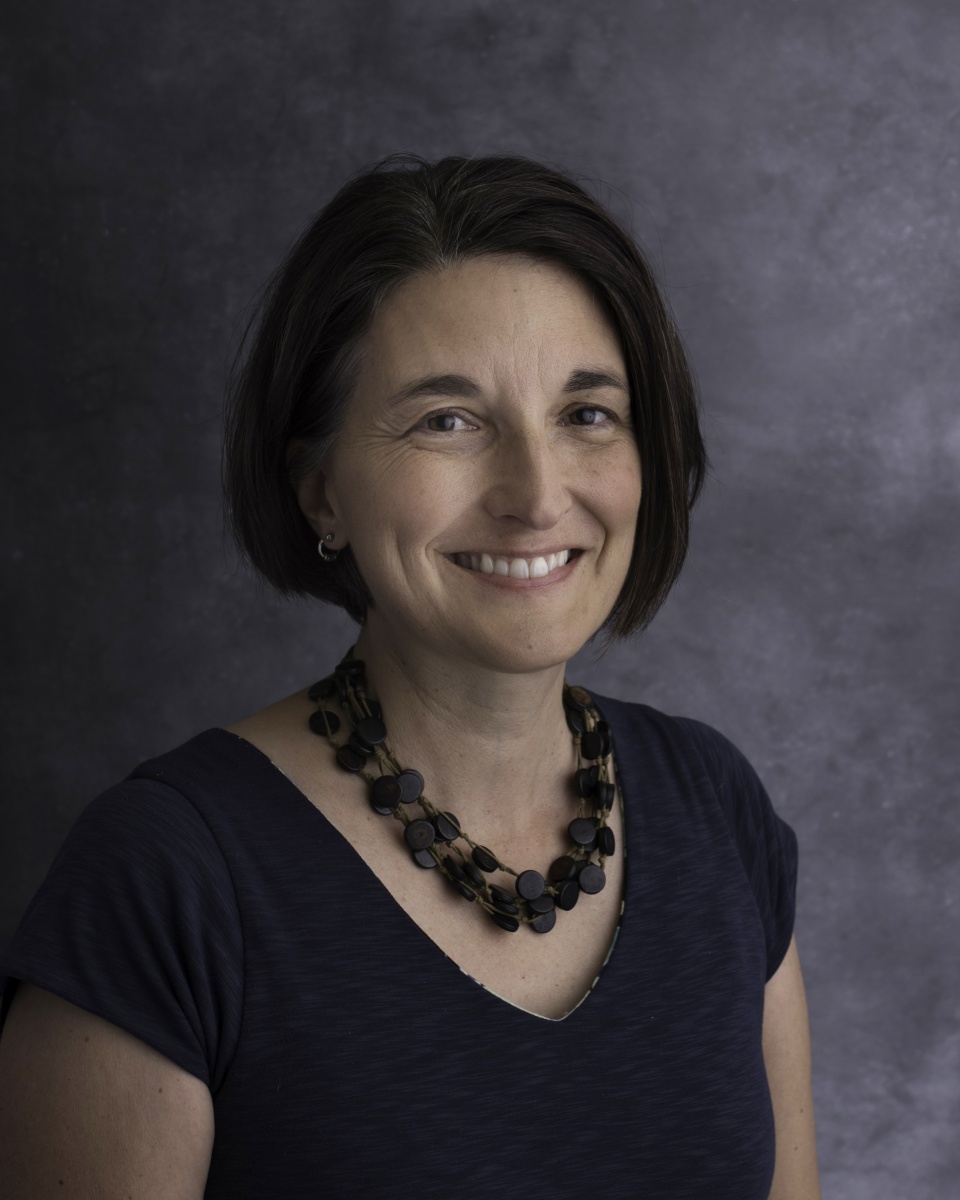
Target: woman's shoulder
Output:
[(698, 778), (137, 919), (181, 811), (211, 763), (220, 767), (688, 758), (641, 730)]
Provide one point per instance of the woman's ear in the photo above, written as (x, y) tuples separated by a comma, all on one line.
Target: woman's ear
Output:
[(314, 493)]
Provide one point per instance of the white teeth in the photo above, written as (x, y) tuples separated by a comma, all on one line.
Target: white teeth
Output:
[(515, 568)]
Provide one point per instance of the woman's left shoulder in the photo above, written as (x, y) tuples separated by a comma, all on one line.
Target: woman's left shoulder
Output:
[(690, 757), (705, 779), (640, 727)]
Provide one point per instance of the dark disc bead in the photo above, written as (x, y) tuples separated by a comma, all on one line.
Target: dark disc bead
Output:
[(385, 793), (323, 689), (510, 924), (388, 790), (591, 744), (568, 895), (499, 893), (472, 874), (606, 842), (419, 835), (350, 666), (446, 832), (575, 720), (530, 885), (323, 722), (423, 858), (542, 904), (464, 889), (484, 859), (591, 879), (587, 778), (357, 742), (562, 869), (604, 794), (375, 709), (372, 731), (605, 744), (502, 907), (351, 759), (577, 697), (412, 784), (454, 868), (545, 922), (583, 831)]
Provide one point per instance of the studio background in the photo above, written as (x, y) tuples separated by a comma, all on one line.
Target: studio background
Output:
[(792, 170)]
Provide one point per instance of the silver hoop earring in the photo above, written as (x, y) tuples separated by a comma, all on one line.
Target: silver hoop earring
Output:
[(326, 554)]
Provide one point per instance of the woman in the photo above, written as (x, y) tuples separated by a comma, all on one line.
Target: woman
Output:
[(362, 943)]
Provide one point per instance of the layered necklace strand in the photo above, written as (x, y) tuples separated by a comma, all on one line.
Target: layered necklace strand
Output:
[(435, 838)]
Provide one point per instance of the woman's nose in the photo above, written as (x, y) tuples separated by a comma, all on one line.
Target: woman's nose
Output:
[(528, 481)]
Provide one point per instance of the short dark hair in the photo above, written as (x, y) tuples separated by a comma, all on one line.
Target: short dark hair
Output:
[(403, 217)]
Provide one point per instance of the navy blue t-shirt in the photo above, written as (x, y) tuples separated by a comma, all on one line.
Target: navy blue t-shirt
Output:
[(208, 908)]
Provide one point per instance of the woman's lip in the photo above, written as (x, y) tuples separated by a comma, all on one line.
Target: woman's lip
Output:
[(527, 554)]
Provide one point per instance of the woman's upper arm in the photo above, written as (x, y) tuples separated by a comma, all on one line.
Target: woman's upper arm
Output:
[(786, 1053), (88, 1111)]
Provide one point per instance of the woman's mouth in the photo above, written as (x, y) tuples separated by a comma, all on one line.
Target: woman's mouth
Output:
[(537, 567)]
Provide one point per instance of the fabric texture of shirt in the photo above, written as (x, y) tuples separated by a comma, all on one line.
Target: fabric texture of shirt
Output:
[(208, 908)]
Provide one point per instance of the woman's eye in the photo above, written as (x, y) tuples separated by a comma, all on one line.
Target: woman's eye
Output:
[(589, 416), (444, 422)]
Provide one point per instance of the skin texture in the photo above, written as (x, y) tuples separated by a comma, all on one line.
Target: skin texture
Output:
[(786, 1055), (521, 444), (91, 1113)]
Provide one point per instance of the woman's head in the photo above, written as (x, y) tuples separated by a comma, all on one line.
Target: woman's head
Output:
[(406, 219)]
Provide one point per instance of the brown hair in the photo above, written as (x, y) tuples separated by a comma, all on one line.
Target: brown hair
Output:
[(403, 217)]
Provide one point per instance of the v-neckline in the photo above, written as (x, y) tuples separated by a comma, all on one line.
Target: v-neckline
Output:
[(301, 796)]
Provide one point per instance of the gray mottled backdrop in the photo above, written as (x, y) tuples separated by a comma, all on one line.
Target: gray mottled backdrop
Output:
[(793, 169)]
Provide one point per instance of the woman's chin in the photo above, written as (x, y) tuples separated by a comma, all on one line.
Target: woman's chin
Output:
[(514, 651)]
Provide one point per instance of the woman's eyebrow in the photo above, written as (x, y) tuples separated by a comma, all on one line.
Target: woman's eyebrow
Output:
[(582, 380), (588, 379), (436, 385)]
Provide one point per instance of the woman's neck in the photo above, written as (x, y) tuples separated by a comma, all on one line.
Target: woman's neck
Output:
[(482, 738)]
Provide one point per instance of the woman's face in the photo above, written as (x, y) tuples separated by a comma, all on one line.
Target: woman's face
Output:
[(487, 476)]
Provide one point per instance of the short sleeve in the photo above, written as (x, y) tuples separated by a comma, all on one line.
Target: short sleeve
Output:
[(137, 922), (766, 844)]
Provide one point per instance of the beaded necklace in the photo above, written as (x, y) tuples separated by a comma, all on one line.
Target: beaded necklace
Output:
[(435, 838)]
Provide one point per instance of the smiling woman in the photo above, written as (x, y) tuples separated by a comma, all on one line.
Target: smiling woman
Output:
[(514, 443), (332, 950)]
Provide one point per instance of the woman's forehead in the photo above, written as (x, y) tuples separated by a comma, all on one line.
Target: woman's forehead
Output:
[(491, 315)]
